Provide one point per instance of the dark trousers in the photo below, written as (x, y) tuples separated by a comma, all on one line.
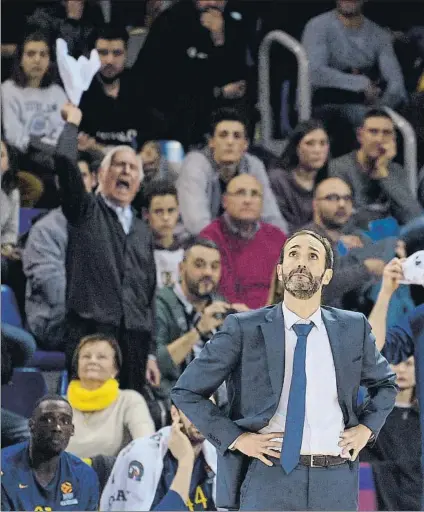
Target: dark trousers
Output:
[(269, 488), (134, 346)]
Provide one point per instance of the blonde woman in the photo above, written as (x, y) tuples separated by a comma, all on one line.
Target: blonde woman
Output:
[(106, 418)]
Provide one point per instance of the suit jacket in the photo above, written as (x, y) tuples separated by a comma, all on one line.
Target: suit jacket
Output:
[(248, 353)]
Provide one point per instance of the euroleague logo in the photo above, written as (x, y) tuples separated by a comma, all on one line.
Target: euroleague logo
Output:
[(66, 487)]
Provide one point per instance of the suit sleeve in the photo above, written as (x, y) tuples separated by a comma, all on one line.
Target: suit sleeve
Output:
[(378, 378), (202, 378)]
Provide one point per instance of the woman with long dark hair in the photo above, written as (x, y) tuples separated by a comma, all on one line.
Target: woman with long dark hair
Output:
[(31, 100), (304, 159)]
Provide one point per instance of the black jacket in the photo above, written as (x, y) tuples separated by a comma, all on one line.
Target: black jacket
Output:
[(111, 276), (179, 66)]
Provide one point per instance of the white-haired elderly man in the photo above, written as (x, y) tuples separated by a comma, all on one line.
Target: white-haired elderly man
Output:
[(111, 276)]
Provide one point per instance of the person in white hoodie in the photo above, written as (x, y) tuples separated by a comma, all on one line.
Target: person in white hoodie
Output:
[(31, 101), (176, 462)]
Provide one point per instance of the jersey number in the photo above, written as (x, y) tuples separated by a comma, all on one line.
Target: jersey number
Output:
[(199, 499), (43, 509)]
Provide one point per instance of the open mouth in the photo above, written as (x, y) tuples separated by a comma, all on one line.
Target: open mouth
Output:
[(122, 184)]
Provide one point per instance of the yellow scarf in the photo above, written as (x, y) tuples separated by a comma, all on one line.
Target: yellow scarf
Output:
[(87, 400)]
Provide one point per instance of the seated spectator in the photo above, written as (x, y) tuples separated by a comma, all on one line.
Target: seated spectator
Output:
[(105, 418), (155, 166), (17, 348), (73, 21), (111, 274), (31, 100), (293, 180), (189, 312), (396, 455), (333, 205), (38, 474), (9, 203), (379, 185), (192, 62), (109, 107), (44, 265), (144, 473), (352, 64), (162, 215), (242, 239), (204, 174)]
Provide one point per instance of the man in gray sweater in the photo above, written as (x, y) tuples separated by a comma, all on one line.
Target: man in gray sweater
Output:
[(352, 58), (380, 185), (204, 174)]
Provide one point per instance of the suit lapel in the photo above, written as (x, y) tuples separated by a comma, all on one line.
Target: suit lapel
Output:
[(336, 330), (273, 333)]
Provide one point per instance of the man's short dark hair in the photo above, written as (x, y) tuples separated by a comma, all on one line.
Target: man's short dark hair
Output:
[(329, 255), (50, 398), (227, 114), (112, 32), (376, 112), (157, 188), (201, 242)]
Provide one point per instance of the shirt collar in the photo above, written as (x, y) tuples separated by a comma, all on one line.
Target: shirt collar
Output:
[(235, 230), (116, 208), (183, 299), (291, 318)]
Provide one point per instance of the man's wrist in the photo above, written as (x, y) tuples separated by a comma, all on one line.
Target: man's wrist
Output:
[(233, 445), (152, 357)]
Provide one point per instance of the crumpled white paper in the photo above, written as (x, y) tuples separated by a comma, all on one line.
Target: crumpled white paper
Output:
[(76, 75), (413, 269)]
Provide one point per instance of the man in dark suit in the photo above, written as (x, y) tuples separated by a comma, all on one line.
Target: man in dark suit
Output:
[(292, 372)]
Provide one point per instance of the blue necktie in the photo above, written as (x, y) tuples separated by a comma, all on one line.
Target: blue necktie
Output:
[(295, 419)]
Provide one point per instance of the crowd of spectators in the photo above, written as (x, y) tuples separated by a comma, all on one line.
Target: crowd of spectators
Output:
[(134, 260)]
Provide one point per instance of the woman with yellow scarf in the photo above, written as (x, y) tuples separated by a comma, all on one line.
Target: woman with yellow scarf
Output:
[(106, 418)]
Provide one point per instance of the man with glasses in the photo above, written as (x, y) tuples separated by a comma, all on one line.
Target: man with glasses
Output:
[(380, 185), (39, 474), (249, 248), (110, 116), (332, 211)]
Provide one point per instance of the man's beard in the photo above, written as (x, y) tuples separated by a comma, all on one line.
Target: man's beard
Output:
[(302, 289), (331, 224), (108, 80), (194, 287), (194, 436)]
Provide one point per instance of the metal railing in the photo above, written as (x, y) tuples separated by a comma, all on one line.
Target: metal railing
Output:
[(409, 148), (304, 97), (304, 85)]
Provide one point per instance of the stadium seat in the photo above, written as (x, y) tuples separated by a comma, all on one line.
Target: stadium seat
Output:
[(26, 216), (42, 360), (27, 386)]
